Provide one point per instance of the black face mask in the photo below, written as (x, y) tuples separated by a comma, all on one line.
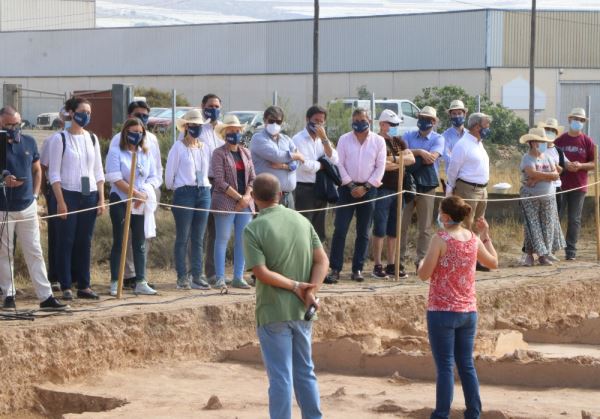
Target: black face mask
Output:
[(13, 134)]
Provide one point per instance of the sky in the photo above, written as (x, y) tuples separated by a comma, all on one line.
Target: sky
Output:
[(115, 13)]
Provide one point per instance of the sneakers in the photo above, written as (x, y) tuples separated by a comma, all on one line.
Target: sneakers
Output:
[(67, 295), (378, 272), (544, 261), (113, 288), (570, 257), (552, 258), (220, 283), (200, 284), (357, 276), (212, 280), (9, 303), (390, 270), (52, 304), (526, 260), (142, 288), (333, 277), (183, 284), (240, 283)]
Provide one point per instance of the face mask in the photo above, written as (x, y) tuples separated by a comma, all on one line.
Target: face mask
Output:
[(542, 147), (424, 124), (393, 132), (233, 138), (14, 134), (576, 125), (293, 165), (212, 113), (68, 124), (360, 126), (195, 131), (458, 121), (142, 117), (135, 138), (551, 135), (82, 118), (311, 127), (440, 223), (273, 129), (485, 133)]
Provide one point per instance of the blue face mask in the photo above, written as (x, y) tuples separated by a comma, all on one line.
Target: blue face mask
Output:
[(142, 117), (576, 125), (485, 133), (393, 131), (14, 134), (311, 127), (293, 165), (424, 124), (212, 113), (542, 147), (233, 138), (135, 138), (458, 121), (360, 126), (441, 224), (194, 131), (68, 124), (82, 118)]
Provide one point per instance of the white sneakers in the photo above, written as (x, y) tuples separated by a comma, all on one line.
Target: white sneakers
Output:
[(141, 288)]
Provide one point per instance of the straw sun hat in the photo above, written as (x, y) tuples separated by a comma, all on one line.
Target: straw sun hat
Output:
[(428, 112), (228, 121), (578, 113), (535, 134), (193, 116), (457, 104), (551, 123)]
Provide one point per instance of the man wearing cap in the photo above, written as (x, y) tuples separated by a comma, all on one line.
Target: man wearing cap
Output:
[(18, 208), (427, 146), (385, 216), (579, 149), (274, 152), (314, 145), (457, 112)]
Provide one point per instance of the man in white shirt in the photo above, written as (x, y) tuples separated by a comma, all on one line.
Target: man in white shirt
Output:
[(457, 113), (313, 143)]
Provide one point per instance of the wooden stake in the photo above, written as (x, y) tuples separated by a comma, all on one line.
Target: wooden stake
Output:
[(126, 225), (597, 202), (399, 218)]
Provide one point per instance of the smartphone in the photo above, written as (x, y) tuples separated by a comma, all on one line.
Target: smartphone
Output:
[(85, 185)]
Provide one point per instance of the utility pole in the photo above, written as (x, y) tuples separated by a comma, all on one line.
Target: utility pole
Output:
[(315, 95), (532, 66)]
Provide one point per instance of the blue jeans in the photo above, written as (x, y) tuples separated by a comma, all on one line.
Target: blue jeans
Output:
[(385, 217), (452, 336), (286, 352), (74, 239), (138, 240), (190, 226), (223, 223), (343, 217)]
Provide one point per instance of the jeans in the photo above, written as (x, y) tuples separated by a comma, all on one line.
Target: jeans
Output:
[(572, 204), (190, 226), (305, 198), (138, 240), (343, 217), (223, 224), (28, 233), (452, 336), (286, 352), (74, 239), (385, 217)]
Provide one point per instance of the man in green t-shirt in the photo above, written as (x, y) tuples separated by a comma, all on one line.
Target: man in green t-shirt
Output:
[(285, 254)]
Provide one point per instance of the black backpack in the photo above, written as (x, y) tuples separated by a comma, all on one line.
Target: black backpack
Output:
[(64, 139)]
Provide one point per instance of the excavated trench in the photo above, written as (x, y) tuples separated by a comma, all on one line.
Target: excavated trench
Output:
[(531, 333)]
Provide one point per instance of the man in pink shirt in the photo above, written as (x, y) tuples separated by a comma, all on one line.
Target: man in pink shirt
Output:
[(361, 155)]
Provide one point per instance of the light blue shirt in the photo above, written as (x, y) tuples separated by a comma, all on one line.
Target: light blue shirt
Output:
[(118, 167), (265, 151), (432, 143), (451, 137)]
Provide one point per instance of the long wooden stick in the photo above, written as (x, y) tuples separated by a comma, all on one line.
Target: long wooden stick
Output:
[(126, 225), (597, 202), (399, 217)]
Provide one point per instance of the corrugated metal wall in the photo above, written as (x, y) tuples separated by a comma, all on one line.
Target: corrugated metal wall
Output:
[(32, 15), (563, 39), (391, 43), (575, 95)]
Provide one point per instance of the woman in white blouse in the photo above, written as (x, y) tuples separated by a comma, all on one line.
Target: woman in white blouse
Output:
[(187, 174), (118, 173), (77, 179)]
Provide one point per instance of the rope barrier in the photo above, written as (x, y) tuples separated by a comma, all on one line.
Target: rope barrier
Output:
[(334, 207)]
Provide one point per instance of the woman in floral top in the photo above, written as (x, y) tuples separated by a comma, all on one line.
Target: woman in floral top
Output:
[(452, 308)]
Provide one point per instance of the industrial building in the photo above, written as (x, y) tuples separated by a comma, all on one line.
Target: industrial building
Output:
[(484, 51)]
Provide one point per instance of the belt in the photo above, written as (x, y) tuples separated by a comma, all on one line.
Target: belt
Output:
[(305, 183), (475, 185)]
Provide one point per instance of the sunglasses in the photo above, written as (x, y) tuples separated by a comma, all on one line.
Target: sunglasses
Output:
[(275, 121)]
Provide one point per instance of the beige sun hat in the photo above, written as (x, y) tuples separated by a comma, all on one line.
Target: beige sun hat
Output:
[(535, 134), (193, 116), (457, 104), (578, 113), (228, 121), (551, 123), (429, 112)]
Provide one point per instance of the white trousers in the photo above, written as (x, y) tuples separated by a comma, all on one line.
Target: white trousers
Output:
[(28, 234)]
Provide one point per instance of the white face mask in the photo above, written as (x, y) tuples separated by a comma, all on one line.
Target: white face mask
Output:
[(273, 129), (551, 135)]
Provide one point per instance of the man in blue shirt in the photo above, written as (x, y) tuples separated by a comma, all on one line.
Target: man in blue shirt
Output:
[(276, 153), (427, 146), (458, 113), (22, 178)]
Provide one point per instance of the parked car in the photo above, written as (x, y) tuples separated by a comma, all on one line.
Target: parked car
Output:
[(253, 121), (47, 120), (156, 111), (162, 122)]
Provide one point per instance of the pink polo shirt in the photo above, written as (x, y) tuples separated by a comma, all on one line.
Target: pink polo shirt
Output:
[(360, 163)]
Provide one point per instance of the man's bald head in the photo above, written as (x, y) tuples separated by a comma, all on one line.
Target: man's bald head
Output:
[(266, 188)]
